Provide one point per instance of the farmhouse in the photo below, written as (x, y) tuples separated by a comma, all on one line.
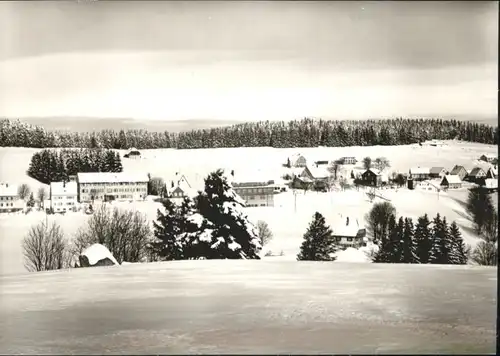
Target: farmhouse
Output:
[(437, 172), (297, 160), (348, 160), (111, 186), (373, 177), (487, 158), (492, 173), (9, 199), (181, 188), (63, 196), (420, 173), (347, 232), (476, 174), (133, 153), (451, 182), (459, 171)]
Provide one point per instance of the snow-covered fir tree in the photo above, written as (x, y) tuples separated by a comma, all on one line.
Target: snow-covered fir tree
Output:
[(423, 239), (409, 246), (440, 246), (117, 163), (31, 201), (458, 249), (225, 231), (168, 245), (390, 247), (318, 244)]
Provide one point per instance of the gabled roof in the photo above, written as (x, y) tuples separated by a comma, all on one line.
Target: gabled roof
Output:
[(436, 170), (296, 171), (61, 188), (475, 171), (457, 169), (451, 179), (319, 172), (420, 170), (339, 226)]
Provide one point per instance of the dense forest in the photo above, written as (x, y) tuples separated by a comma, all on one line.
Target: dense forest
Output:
[(52, 166), (280, 134)]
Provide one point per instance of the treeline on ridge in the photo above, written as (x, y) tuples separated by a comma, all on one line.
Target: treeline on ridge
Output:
[(279, 134), (53, 166)]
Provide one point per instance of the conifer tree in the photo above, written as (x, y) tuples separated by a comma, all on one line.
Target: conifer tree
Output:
[(318, 244), (458, 250), (31, 201), (409, 245), (423, 239), (440, 249), (167, 232), (390, 248), (117, 163)]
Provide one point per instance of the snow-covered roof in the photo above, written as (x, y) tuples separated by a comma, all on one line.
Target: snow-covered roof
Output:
[(456, 169), (475, 171), (296, 171), (97, 252), (251, 176), (340, 228), (420, 170), (452, 179), (319, 172), (295, 157), (8, 190), (61, 188), (436, 170), (121, 177)]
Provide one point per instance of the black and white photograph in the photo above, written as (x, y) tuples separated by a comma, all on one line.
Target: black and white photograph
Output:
[(248, 177)]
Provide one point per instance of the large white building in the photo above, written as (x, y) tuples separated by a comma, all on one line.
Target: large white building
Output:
[(9, 199), (112, 186), (254, 188), (63, 196)]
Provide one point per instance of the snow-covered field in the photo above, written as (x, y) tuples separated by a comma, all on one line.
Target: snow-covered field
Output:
[(289, 218), (250, 307)]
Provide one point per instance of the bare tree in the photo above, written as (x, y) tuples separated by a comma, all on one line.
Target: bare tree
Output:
[(156, 186), (23, 191), (378, 219), (41, 195), (45, 248), (333, 168), (381, 163), (367, 163), (126, 234), (343, 183), (485, 253), (264, 232)]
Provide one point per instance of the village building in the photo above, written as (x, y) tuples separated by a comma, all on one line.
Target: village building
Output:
[(112, 186), (256, 188), (459, 171), (63, 196), (348, 160), (321, 163), (492, 173), (491, 184), (429, 184), (488, 158), (347, 232), (180, 188), (451, 182), (133, 153), (420, 173), (297, 160), (437, 172), (374, 178), (477, 174), (9, 198)]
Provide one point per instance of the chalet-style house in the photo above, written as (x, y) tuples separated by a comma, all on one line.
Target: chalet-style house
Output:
[(255, 189), (420, 173), (63, 196), (347, 232), (9, 199), (437, 172), (459, 171), (297, 160), (348, 160), (476, 174), (180, 188), (487, 158), (133, 153), (451, 182), (492, 173), (112, 186), (373, 178)]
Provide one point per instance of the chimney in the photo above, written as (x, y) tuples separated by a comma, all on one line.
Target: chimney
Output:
[(347, 222)]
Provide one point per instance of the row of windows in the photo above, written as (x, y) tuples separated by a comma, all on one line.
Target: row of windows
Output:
[(62, 197), (61, 203), (253, 197), (116, 190), (6, 198), (255, 205), (253, 190), (117, 183), (7, 204)]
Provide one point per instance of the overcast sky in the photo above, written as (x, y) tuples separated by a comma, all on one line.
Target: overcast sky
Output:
[(248, 60)]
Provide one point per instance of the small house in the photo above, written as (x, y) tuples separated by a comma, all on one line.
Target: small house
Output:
[(347, 232), (477, 173), (9, 198), (303, 172), (492, 173), (487, 158), (451, 182), (133, 153), (180, 188), (372, 177), (420, 173), (297, 160), (347, 160), (437, 172), (459, 171)]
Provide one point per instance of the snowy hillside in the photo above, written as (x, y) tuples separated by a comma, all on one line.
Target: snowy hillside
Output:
[(289, 218)]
